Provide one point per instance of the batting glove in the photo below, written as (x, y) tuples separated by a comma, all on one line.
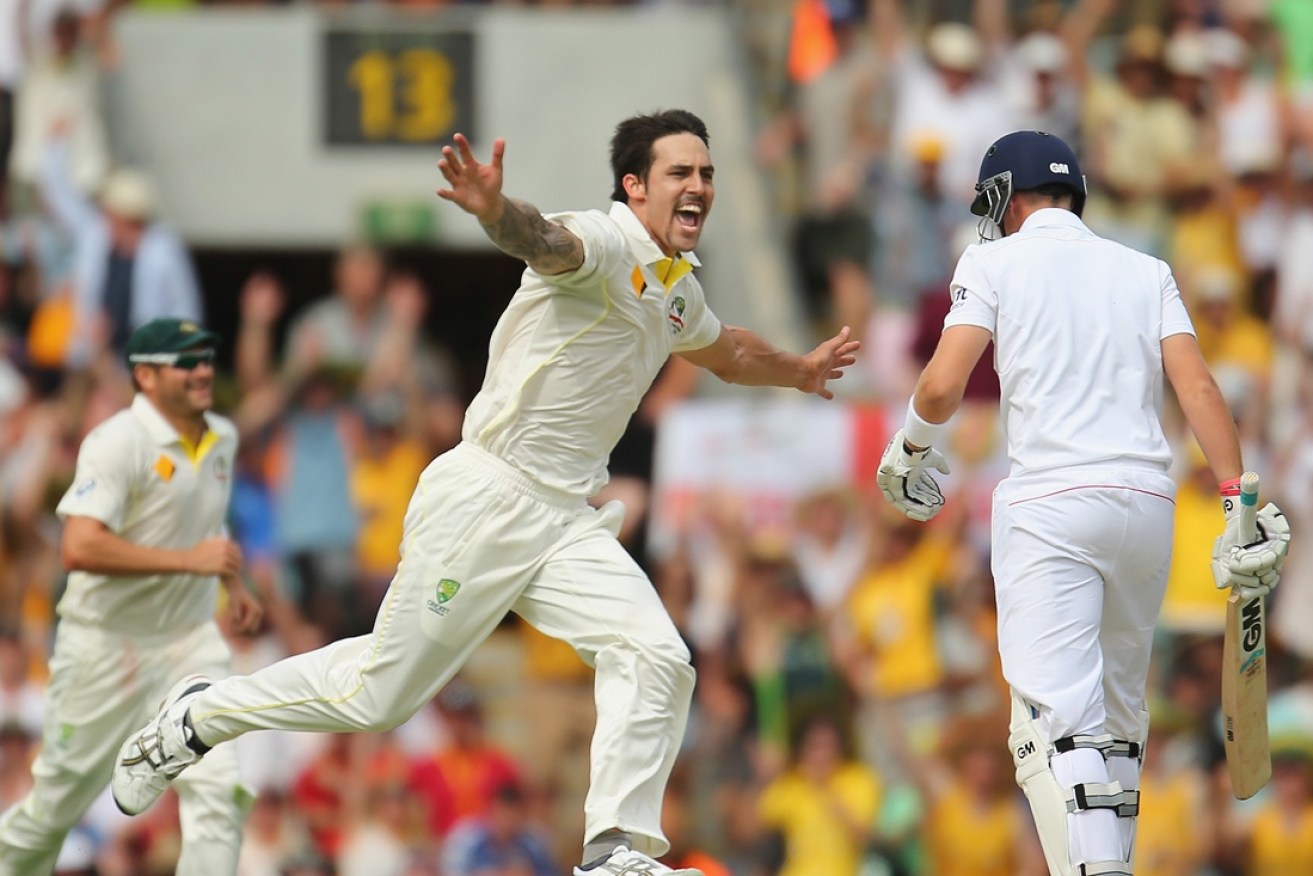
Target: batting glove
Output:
[(903, 479), (1252, 569)]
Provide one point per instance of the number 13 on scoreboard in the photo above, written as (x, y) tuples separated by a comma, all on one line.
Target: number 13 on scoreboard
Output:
[(397, 88)]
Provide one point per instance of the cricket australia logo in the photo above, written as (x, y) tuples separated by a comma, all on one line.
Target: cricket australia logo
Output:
[(446, 592), (676, 314)]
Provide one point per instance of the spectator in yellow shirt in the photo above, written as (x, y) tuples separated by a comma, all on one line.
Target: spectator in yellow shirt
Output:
[(1172, 835), (1237, 345), (977, 824), (383, 476), (1192, 604), (823, 807), (1281, 834), (889, 644)]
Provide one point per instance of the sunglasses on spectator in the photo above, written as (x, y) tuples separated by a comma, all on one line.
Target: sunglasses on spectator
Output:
[(186, 361)]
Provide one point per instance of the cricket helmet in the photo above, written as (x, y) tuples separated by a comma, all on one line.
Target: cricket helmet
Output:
[(1021, 161)]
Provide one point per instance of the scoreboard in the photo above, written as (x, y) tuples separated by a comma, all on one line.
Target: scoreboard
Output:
[(397, 87)]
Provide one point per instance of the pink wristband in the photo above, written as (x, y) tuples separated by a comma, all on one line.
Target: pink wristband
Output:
[(1229, 488)]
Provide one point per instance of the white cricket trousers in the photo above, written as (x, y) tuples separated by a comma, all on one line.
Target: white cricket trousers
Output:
[(480, 539), (103, 686), (1080, 560)]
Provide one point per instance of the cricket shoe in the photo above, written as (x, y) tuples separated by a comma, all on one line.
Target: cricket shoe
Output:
[(153, 757), (624, 862)]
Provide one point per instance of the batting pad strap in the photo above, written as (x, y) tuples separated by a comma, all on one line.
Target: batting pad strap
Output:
[(1103, 743), (1125, 748), (1104, 868), (918, 431), (1094, 795)]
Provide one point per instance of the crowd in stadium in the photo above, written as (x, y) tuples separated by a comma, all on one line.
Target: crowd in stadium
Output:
[(850, 716)]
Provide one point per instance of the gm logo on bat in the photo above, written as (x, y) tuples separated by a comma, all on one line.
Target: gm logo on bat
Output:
[(1251, 626), (1251, 623)]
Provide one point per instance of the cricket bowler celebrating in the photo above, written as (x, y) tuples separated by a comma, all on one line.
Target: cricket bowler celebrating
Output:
[(501, 522), (1084, 330), (145, 544)]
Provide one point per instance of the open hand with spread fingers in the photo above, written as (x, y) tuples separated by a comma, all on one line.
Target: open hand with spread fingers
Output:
[(828, 361), (475, 187), (1254, 568), (904, 481)]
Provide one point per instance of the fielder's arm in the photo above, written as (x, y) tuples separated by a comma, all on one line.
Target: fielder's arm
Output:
[(1203, 405), (516, 227), (746, 358), (88, 545)]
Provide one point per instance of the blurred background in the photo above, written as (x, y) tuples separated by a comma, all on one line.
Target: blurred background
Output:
[(269, 167)]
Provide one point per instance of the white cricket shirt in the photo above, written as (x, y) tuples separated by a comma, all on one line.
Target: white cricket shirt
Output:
[(140, 478), (1078, 323), (574, 353)]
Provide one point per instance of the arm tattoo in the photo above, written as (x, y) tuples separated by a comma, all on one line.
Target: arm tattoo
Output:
[(522, 232)]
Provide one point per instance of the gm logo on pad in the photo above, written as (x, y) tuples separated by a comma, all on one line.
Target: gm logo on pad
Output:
[(1059, 167)]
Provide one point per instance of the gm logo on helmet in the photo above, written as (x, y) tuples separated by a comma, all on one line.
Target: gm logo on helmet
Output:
[(1059, 167)]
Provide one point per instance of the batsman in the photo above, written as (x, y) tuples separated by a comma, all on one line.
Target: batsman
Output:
[(1084, 331)]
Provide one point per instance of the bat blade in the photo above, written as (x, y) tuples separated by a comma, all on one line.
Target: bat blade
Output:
[(1244, 676)]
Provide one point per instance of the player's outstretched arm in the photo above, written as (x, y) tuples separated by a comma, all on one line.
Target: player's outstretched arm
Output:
[(745, 357), (516, 227)]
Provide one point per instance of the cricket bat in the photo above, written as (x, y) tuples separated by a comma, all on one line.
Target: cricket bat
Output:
[(1244, 672)]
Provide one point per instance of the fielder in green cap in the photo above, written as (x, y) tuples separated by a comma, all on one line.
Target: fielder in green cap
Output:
[(147, 550), (174, 342)]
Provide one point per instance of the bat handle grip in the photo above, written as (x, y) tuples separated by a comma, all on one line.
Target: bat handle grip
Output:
[(1249, 507)]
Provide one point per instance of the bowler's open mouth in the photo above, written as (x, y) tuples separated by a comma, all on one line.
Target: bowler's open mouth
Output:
[(689, 215)]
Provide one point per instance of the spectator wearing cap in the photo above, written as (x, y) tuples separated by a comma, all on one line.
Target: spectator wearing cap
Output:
[(949, 89), (917, 219), (1248, 107), (129, 267), (1046, 92), (1136, 139), (1189, 85)]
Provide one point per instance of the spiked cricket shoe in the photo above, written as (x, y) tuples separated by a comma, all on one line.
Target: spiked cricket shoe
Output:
[(156, 754)]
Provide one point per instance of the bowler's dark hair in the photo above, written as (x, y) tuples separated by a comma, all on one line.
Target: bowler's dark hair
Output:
[(631, 147)]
